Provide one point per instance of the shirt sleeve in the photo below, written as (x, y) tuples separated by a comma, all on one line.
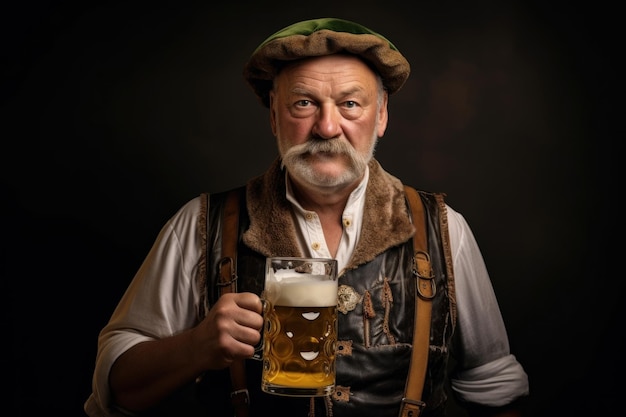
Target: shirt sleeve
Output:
[(161, 300), (486, 372)]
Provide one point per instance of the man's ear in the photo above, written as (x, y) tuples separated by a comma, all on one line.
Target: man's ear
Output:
[(383, 115)]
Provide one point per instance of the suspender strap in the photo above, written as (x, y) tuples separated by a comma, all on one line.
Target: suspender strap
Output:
[(227, 272), (412, 405)]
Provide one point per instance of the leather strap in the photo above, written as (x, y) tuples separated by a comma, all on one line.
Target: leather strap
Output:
[(412, 404), (227, 272)]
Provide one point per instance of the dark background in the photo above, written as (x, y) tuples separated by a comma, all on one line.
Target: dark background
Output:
[(115, 113)]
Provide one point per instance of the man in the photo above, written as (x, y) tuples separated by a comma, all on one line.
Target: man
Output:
[(326, 83)]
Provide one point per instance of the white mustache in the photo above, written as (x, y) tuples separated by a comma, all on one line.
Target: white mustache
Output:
[(296, 161), (313, 146)]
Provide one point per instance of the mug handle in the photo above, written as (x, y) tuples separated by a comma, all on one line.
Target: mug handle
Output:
[(258, 348)]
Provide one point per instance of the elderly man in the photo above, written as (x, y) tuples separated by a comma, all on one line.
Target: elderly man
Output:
[(326, 83)]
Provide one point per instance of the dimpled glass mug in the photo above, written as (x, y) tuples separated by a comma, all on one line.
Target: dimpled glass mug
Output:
[(300, 330)]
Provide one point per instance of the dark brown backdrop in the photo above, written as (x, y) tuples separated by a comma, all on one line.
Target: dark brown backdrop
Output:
[(114, 114)]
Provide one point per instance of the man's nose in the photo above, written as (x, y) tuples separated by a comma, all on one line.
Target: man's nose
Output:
[(328, 123)]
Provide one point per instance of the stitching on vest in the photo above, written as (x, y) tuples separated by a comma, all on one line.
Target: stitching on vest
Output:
[(368, 314), (388, 302), (201, 279), (447, 252)]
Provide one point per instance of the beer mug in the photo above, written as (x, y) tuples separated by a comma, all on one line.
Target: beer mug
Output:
[(300, 326)]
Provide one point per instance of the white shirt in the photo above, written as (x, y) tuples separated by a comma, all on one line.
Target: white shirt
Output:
[(311, 234), (163, 300)]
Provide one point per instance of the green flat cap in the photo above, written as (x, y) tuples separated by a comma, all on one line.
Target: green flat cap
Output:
[(321, 37)]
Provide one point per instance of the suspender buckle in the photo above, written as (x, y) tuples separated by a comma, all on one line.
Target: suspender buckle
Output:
[(426, 287), (226, 273), (411, 408), (240, 398)]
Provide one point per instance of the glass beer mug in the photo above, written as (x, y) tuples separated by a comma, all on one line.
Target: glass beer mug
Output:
[(300, 326)]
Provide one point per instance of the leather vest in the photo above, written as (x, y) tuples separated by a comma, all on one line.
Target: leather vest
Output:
[(375, 331)]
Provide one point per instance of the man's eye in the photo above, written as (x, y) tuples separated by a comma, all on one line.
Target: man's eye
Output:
[(303, 103), (350, 104)]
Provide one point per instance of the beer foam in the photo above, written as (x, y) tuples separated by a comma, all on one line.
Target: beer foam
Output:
[(303, 290)]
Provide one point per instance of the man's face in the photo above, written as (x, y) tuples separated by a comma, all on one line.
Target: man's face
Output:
[(327, 114)]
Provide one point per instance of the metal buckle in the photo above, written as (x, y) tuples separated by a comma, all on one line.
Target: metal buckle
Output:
[(226, 261), (416, 403), (423, 258), (236, 397)]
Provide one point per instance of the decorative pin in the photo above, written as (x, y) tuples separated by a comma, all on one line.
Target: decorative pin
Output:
[(348, 298)]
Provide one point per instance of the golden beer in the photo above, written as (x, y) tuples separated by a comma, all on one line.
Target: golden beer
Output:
[(300, 332)]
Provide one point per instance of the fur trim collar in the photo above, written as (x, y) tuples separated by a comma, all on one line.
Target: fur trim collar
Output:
[(272, 228)]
